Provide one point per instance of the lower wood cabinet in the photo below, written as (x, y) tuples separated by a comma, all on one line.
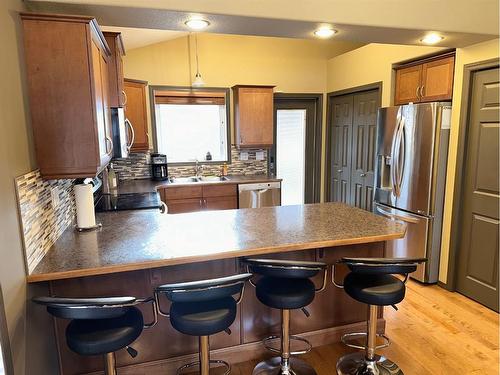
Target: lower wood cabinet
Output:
[(182, 199)]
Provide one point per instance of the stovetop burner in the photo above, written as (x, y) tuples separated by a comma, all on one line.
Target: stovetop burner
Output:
[(133, 201)]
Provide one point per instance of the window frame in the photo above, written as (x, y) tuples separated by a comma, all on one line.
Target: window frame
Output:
[(227, 100)]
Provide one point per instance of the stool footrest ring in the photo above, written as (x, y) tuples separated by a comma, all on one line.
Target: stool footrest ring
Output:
[(268, 346), (346, 338), (212, 361)]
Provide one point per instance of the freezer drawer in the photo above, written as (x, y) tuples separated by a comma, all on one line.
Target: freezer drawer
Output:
[(415, 243)]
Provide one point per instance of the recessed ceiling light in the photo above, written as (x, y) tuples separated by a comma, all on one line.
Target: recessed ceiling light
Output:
[(432, 39), (325, 32), (197, 23)]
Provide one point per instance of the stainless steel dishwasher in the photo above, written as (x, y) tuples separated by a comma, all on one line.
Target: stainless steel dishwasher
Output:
[(257, 195)]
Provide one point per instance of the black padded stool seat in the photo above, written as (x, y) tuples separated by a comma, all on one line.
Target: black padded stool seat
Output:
[(282, 293), (101, 336), (374, 289), (203, 318)]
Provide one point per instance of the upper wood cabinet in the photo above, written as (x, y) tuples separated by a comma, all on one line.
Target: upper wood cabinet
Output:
[(115, 69), (136, 113), (427, 81), (67, 74), (253, 116)]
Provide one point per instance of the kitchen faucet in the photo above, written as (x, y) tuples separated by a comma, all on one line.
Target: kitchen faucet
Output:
[(198, 169)]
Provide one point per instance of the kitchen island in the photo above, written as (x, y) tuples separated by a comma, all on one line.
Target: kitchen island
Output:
[(138, 250)]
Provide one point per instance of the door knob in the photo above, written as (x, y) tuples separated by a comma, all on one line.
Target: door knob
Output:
[(339, 170), (362, 175)]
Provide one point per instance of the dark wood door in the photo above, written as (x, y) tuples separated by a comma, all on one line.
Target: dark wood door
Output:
[(341, 113), (363, 148), (408, 81), (437, 80), (136, 113), (312, 145), (478, 257)]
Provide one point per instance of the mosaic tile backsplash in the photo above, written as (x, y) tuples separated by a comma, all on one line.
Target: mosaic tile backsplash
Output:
[(42, 223), (137, 166)]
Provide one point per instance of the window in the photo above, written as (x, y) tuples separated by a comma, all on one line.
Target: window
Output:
[(191, 123)]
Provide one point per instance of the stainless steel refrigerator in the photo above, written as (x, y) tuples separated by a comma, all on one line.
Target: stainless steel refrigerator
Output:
[(410, 175)]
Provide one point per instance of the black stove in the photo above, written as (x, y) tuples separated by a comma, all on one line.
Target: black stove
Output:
[(133, 201)]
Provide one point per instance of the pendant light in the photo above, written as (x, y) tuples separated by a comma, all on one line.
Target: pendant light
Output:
[(198, 81)]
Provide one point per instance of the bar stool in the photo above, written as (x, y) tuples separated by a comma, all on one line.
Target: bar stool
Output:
[(203, 308), (371, 281), (100, 326), (285, 285)]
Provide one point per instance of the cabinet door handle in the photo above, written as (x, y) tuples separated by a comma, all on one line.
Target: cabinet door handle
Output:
[(422, 91), (417, 92), (124, 97), (129, 124), (109, 142)]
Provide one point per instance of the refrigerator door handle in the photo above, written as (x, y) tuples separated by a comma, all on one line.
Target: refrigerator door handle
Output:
[(393, 157), (401, 154), (406, 219)]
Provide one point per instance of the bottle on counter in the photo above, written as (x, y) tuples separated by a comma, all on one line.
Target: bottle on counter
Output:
[(208, 157), (112, 180), (224, 169)]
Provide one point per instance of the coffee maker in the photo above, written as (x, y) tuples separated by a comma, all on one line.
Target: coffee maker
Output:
[(159, 169)]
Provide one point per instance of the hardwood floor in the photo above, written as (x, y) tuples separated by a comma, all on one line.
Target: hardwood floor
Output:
[(435, 332)]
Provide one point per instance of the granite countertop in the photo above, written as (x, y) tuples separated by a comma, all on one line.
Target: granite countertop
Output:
[(148, 185), (133, 240)]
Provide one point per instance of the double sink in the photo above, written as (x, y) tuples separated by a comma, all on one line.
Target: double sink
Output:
[(196, 179)]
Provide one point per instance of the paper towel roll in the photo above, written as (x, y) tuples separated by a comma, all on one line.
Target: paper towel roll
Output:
[(84, 198)]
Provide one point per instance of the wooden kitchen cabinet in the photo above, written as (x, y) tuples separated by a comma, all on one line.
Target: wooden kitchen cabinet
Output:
[(253, 116), (182, 199), (115, 68), (136, 113), (425, 81), (67, 75)]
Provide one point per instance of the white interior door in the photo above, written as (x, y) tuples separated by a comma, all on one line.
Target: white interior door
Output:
[(290, 154)]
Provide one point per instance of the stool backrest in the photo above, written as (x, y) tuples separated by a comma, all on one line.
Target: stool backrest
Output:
[(291, 269), (87, 308), (205, 290), (401, 266)]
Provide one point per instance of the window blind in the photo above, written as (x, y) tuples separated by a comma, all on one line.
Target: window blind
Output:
[(190, 97)]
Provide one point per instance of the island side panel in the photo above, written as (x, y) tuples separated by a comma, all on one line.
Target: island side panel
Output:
[(157, 346)]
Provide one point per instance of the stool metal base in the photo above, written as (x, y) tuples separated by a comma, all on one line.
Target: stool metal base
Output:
[(358, 364), (192, 365), (273, 367)]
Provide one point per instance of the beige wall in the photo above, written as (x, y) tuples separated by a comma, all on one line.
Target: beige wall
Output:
[(31, 339), (472, 54), (294, 66), (14, 160), (369, 64), (373, 63)]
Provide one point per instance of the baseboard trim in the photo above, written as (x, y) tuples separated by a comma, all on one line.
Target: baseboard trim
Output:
[(241, 353)]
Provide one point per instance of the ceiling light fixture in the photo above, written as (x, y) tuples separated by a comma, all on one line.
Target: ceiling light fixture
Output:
[(198, 81), (325, 32), (432, 39), (197, 24)]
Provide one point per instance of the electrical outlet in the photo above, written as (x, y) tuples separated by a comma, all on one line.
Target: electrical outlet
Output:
[(259, 155), (243, 155), (54, 194)]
